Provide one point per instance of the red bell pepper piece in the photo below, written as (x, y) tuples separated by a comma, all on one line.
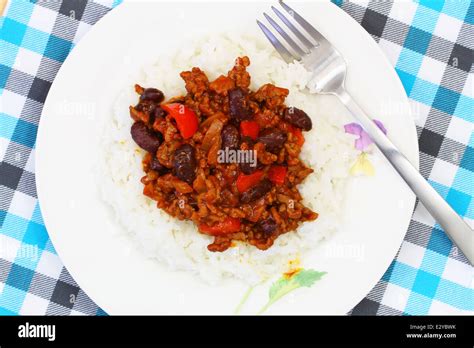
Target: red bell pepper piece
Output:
[(277, 174), (229, 225), (185, 118), (244, 182), (249, 129)]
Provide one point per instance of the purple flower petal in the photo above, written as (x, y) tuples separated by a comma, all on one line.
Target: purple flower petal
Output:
[(353, 128), (364, 139), (381, 126)]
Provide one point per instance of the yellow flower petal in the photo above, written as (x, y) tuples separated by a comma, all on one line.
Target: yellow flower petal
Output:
[(362, 166)]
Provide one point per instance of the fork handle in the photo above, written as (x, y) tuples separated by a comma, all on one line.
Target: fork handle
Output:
[(456, 228)]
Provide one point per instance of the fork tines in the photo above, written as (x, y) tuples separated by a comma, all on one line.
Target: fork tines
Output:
[(295, 50)]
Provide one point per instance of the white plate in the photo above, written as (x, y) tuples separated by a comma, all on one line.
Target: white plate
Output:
[(116, 276)]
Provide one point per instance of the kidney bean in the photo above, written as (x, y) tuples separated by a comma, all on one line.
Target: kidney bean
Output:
[(237, 108), (246, 167), (273, 139), (156, 112), (230, 137), (158, 167), (256, 192), (184, 163), (145, 137), (268, 226), (298, 118), (152, 95)]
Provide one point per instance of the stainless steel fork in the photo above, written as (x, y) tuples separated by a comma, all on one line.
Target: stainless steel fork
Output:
[(319, 56)]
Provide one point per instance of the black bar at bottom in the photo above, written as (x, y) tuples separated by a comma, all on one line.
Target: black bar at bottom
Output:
[(212, 330)]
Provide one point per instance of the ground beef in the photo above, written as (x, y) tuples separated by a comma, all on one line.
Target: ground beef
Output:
[(235, 176)]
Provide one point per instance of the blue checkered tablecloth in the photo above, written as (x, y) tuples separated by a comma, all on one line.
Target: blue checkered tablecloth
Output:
[(429, 43)]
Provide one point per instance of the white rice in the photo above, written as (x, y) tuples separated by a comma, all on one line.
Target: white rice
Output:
[(178, 244)]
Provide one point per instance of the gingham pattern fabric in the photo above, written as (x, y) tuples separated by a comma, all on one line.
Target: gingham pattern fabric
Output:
[(35, 38), (429, 44)]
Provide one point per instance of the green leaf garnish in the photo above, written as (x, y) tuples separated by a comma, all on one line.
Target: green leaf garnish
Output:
[(284, 285), (307, 277)]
